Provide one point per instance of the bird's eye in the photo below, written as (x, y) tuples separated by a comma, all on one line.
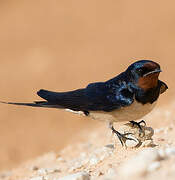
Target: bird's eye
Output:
[(140, 70)]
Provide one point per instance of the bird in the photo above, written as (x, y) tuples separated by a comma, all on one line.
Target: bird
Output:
[(127, 97)]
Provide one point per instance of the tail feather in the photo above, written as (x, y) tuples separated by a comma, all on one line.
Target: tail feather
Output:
[(75, 100), (35, 104), (49, 95)]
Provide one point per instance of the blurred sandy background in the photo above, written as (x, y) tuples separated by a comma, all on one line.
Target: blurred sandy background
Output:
[(65, 44)]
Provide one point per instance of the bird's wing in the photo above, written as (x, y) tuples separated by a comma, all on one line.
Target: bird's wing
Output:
[(96, 96), (75, 100)]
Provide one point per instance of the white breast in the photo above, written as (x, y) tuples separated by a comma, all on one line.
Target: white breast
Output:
[(130, 113)]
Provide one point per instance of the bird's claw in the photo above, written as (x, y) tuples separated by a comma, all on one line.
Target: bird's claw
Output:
[(141, 131), (122, 137)]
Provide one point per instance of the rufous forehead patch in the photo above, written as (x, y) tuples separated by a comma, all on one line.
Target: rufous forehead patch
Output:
[(151, 65)]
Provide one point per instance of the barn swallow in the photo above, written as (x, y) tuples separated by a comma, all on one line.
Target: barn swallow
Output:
[(127, 97)]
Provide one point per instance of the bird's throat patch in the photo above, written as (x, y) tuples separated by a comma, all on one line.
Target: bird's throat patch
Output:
[(149, 81)]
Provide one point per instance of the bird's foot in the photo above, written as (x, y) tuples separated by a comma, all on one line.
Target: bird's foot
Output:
[(139, 126), (122, 137)]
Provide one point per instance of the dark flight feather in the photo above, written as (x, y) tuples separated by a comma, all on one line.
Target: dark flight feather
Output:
[(104, 96)]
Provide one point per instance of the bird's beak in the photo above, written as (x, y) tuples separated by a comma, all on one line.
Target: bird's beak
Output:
[(152, 72)]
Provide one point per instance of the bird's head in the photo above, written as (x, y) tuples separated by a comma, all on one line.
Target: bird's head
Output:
[(144, 73)]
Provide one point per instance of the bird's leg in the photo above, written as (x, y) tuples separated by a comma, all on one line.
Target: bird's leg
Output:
[(121, 137), (139, 126)]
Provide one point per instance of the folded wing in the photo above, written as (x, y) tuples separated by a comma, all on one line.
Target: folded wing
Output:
[(99, 96)]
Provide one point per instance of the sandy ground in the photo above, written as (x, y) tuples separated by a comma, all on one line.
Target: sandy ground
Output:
[(63, 45), (99, 156)]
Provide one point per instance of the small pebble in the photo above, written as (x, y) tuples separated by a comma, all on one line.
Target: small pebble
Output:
[(154, 166), (60, 159), (111, 172), (110, 146), (37, 178), (170, 151), (77, 176), (35, 168), (57, 170), (52, 170), (147, 143), (42, 171), (131, 143), (162, 154), (159, 130), (77, 165), (97, 173), (93, 160)]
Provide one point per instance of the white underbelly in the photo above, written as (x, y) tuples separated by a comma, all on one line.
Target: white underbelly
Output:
[(130, 113)]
